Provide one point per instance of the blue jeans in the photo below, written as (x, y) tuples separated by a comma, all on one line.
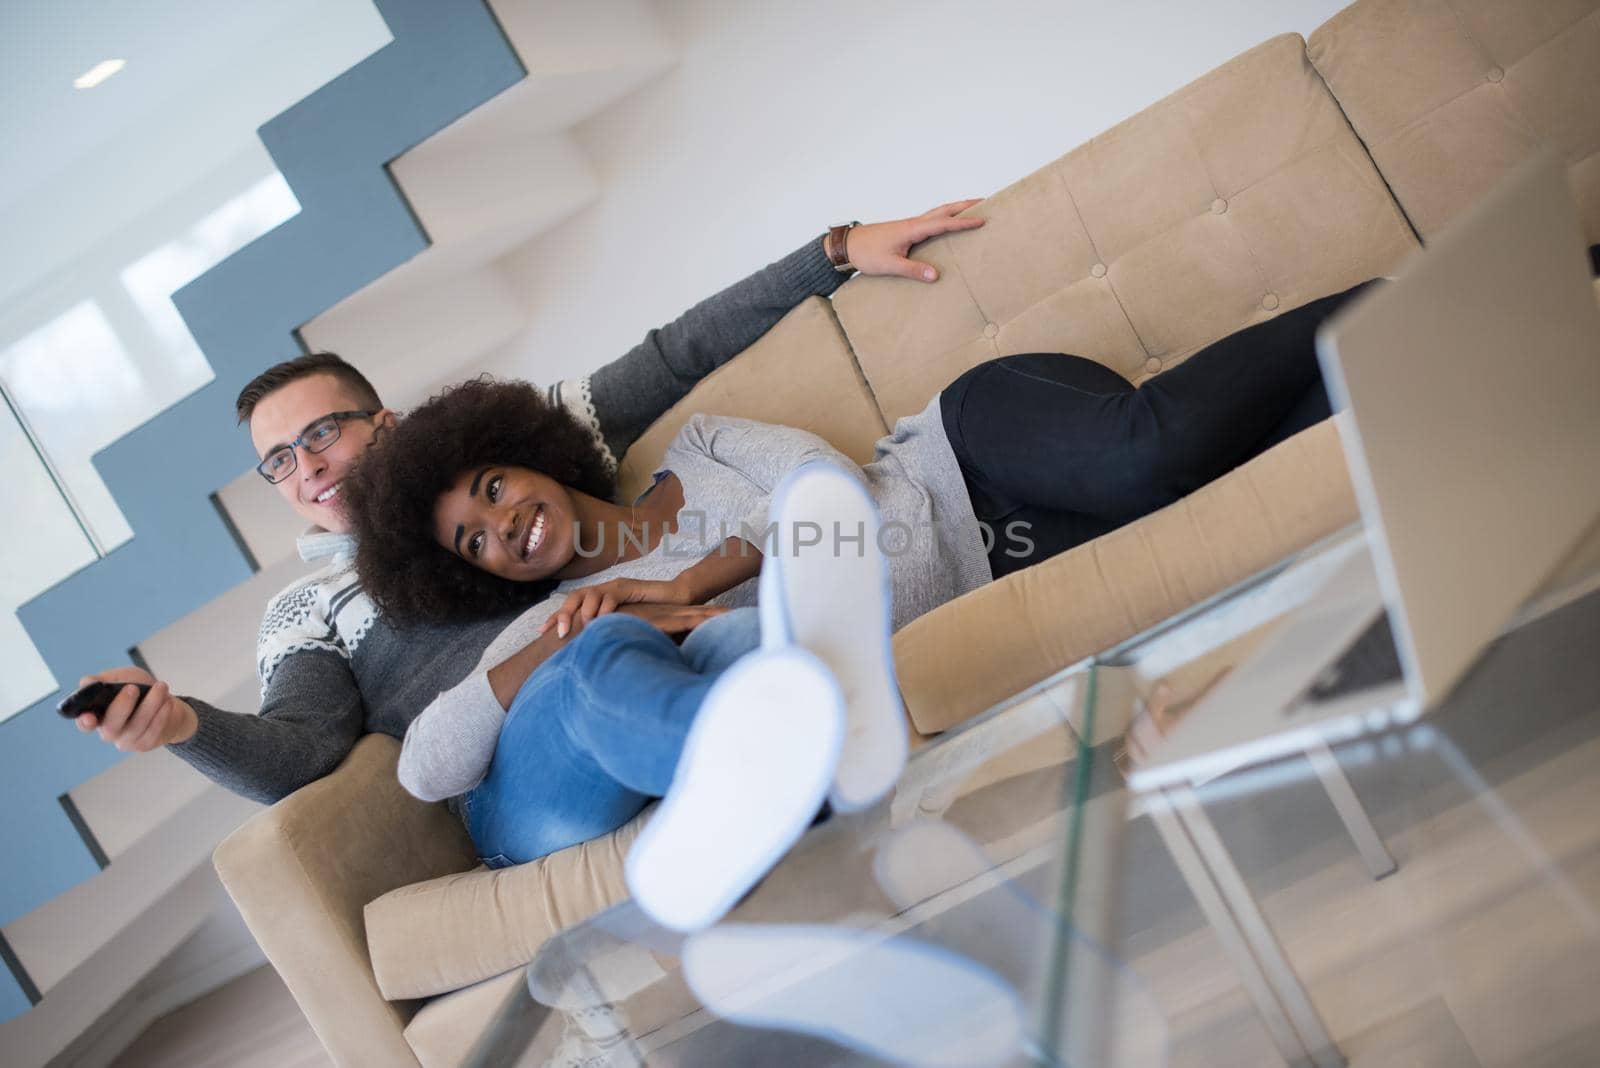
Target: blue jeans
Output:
[(595, 733)]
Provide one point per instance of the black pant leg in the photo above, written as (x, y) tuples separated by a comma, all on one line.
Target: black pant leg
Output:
[(1313, 408), (1238, 396), (1070, 448), (1042, 429), (1025, 535), (1016, 533)]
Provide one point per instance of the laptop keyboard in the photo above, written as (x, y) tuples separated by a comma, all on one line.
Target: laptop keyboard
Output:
[(1371, 660)]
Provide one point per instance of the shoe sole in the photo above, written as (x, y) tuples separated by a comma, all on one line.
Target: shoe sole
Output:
[(755, 769), (837, 606)]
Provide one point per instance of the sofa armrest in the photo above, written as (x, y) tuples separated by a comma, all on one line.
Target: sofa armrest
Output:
[(999, 639), (302, 873)]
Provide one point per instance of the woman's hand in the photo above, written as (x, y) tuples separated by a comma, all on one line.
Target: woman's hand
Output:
[(583, 605), (673, 619), (880, 248)]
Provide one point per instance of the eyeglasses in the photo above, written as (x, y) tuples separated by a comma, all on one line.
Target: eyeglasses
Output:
[(281, 462)]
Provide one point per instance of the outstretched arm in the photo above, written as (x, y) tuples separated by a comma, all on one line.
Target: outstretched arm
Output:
[(620, 400), (311, 707), (311, 716)]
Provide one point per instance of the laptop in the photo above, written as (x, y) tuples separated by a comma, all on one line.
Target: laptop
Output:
[(1470, 389)]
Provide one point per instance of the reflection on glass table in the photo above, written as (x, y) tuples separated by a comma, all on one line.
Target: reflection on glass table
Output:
[(925, 931), (1426, 895)]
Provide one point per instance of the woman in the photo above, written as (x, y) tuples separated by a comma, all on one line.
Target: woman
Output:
[(484, 497), (742, 744)]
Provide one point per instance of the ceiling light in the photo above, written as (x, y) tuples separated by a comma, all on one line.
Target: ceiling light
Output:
[(98, 73)]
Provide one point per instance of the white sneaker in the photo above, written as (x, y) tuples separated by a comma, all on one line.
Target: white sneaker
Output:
[(833, 598), (754, 772)]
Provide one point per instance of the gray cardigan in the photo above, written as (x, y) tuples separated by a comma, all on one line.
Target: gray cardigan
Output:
[(332, 669), (728, 469)]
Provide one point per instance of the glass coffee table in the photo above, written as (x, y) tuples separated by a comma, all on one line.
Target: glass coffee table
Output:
[(1423, 895)]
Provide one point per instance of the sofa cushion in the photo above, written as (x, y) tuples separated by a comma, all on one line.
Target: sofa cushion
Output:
[(449, 1028), (1240, 195), (444, 1031), (801, 373), (981, 648), (450, 932), (1450, 95)]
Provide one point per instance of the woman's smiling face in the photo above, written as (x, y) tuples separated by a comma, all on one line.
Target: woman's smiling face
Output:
[(508, 521)]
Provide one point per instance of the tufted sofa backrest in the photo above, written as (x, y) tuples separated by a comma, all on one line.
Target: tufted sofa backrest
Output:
[(1451, 95), (1239, 196)]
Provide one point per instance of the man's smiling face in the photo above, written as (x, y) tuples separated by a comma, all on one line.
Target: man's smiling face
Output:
[(313, 489)]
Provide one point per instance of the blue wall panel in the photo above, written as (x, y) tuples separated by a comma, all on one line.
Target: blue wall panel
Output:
[(447, 57), (13, 1002)]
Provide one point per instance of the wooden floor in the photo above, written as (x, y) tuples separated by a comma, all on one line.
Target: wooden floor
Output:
[(250, 1023), (1467, 956)]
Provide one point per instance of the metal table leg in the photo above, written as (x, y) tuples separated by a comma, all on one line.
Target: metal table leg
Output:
[(1356, 821), (1281, 1000)]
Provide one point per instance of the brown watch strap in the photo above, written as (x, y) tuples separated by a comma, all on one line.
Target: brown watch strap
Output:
[(835, 246)]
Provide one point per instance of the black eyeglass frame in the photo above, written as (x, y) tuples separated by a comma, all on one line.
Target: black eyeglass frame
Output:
[(300, 442)]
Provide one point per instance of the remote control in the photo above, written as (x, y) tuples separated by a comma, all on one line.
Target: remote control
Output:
[(96, 698)]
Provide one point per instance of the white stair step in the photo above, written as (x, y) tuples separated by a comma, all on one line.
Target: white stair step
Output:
[(557, 38), (489, 187), (410, 332), (508, 170), (67, 932)]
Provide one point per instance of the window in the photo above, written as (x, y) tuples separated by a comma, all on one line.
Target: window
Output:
[(43, 544), (118, 356)]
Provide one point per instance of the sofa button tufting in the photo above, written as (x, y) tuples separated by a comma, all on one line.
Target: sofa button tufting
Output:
[(1218, 206), (1270, 301), (1152, 365), (1495, 74), (1098, 270), (990, 330)]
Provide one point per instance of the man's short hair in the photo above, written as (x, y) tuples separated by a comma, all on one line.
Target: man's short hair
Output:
[(279, 375)]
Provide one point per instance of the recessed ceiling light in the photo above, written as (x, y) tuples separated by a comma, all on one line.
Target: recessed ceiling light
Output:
[(98, 73)]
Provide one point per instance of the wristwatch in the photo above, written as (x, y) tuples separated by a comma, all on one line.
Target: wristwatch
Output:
[(834, 245)]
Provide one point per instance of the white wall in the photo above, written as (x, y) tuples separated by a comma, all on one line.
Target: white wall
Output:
[(782, 118)]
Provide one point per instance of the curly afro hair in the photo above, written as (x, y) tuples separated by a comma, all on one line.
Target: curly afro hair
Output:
[(391, 495)]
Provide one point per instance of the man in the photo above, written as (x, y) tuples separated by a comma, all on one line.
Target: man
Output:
[(331, 668)]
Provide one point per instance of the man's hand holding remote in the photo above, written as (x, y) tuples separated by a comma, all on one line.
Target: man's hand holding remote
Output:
[(138, 726)]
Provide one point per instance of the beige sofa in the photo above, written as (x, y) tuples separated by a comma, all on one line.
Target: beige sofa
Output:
[(1290, 172)]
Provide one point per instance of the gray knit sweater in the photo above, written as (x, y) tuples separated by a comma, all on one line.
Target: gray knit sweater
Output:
[(332, 669), (728, 469)]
